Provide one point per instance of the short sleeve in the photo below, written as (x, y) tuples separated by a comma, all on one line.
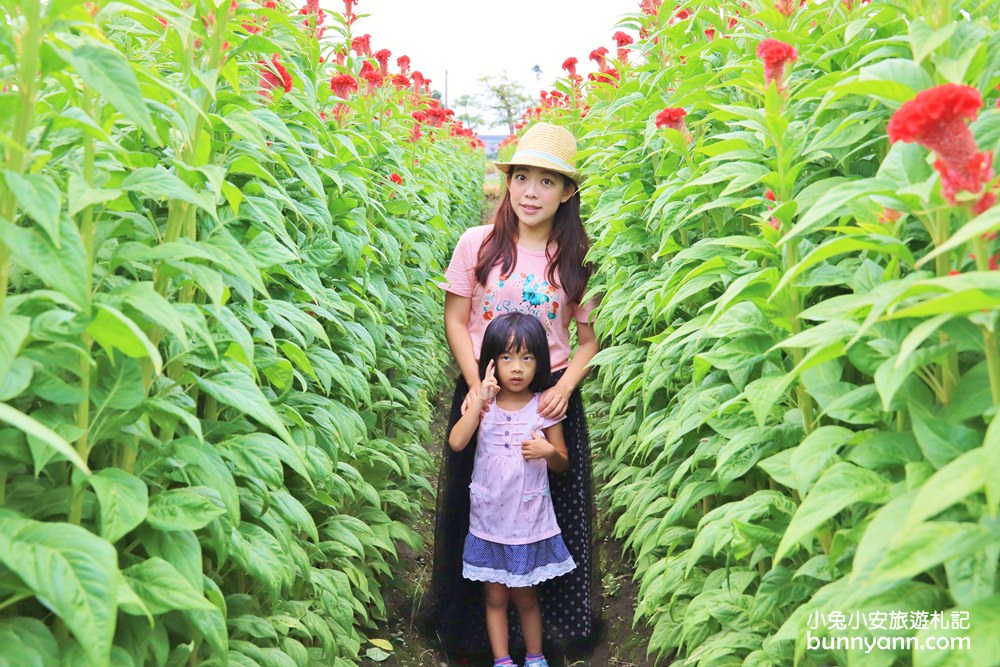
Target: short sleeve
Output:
[(543, 423), (460, 276), (582, 312)]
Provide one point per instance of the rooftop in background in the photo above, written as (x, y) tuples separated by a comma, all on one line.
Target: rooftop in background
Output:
[(516, 35)]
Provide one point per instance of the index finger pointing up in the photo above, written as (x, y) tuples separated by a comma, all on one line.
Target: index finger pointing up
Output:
[(489, 369)]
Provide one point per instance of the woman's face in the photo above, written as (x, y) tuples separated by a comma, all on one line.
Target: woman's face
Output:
[(535, 195), (516, 368)]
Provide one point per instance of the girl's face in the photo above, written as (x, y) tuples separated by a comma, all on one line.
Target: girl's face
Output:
[(535, 195), (516, 369)]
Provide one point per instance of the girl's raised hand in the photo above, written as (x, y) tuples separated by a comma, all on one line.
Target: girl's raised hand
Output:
[(490, 387)]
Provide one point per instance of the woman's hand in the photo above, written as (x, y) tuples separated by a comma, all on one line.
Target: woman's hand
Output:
[(554, 402), (470, 398)]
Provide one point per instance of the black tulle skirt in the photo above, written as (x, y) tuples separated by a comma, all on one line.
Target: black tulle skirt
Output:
[(452, 610)]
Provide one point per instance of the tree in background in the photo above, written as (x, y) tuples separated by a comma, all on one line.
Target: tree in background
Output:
[(503, 100), (469, 106)]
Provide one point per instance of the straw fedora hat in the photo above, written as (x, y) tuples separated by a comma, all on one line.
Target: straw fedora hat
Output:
[(551, 147)]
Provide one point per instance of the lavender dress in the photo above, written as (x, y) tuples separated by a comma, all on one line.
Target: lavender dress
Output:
[(513, 535)]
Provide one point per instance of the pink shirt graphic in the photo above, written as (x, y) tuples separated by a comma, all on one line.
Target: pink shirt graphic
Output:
[(525, 290)]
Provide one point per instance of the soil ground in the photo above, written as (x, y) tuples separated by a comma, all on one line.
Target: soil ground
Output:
[(621, 646)]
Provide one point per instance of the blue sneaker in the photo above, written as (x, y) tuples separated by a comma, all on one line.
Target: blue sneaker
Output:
[(537, 662)]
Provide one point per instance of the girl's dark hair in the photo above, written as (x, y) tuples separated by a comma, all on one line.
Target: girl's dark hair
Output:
[(572, 243), (518, 331)]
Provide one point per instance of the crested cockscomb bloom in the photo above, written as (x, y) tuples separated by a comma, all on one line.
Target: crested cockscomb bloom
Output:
[(786, 7), (888, 216), (401, 81), (396, 178), (681, 15), (672, 117), (274, 75), (710, 33), (936, 119), (374, 79), (776, 55), (382, 56), (650, 7), (343, 85), (622, 40), (362, 45), (349, 11), (570, 66), (404, 64), (770, 196), (599, 55)]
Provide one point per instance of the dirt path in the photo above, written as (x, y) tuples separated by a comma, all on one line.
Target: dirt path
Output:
[(621, 646)]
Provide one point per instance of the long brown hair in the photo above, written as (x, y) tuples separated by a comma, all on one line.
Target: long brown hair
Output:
[(568, 234)]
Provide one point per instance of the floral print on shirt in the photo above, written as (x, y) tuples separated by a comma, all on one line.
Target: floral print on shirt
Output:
[(538, 298)]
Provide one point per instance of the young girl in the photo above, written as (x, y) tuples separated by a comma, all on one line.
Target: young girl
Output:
[(514, 541), (530, 260)]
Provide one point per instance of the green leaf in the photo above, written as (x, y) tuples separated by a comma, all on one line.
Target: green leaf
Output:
[(13, 332), (163, 588), (71, 571), (63, 268), (144, 298), (27, 642), (977, 644), (158, 183), (924, 39), (40, 198), (107, 72), (183, 509), (940, 441), (833, 203), (984, 223), (113, 330), (124, 500), (43, 434), (841, 486), (926, 545), (239, 391)]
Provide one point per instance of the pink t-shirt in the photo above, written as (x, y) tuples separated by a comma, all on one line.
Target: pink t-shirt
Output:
[(526, 290)]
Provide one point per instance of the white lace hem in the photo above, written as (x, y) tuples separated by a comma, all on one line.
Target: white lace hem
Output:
[(536, 576)]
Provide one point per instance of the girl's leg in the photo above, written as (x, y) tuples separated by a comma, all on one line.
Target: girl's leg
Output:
[(497, 597), (526, 601)]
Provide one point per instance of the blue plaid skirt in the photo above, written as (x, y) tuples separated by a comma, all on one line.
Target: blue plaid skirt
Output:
[(515, 565)]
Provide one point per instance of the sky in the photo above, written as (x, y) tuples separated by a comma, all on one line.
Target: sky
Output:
[(470, 39)]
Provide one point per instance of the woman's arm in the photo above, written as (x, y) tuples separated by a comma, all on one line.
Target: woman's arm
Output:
[(456, 327), (554, 402)]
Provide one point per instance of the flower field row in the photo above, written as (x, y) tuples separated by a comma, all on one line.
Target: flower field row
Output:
[(794, 207), (218, 328)]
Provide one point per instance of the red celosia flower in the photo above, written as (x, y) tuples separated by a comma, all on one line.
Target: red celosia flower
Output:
[(985, 203), (343, 85), (622, 40), (280, 78), (599, 55), (362, 45), (382, 56), (570, 66), (732, 23), (770, 196), (415, 131), (650, 7), (396, 178), (672, 117), (401, 81), (936, 119), (786, 7), (888, 216), (373, 78), (710, 33), (270, 4), (162, 21), (776, 55), (681, 15), (404, 64), (774, 222)]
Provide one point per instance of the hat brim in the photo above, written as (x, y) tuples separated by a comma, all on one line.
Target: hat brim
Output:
[(542, 163)]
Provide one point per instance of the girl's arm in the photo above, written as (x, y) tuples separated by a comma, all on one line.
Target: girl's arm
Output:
[(466, 427), (554, 402), (456, 327), (552, 448)]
